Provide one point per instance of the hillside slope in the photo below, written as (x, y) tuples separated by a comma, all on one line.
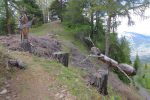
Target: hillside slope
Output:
[(45, 79)]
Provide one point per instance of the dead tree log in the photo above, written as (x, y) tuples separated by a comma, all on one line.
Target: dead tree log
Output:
[(26, 46), (129, 70), (16, 63), (62, 58), (99, 80)]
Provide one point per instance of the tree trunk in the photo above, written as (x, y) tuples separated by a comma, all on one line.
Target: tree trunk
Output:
[(61, 16), (97, 21), (92, 25), (107, 34), (99, 80), (8, 18), (62, 58), (129, 70), (26, 46)]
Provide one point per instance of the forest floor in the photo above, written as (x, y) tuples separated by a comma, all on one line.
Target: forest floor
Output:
[(45, 79)]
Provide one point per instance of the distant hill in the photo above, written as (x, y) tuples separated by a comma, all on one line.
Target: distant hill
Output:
[(139, 43)]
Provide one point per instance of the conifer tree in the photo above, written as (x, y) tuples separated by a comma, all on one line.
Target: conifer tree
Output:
[(57, 8), (137, 62), (146, 66)]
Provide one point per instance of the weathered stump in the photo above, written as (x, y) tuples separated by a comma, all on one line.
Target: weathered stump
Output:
[(17, 63), (62, 58), (99, 80), (25, 45)]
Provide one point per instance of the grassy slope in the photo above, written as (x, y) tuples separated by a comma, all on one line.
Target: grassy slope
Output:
[(70, 78), (64, 77), (144, 77), (3, 72), (63, 34), (67, 36)]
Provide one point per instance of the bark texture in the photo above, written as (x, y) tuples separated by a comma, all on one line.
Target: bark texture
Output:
[(62, 58)]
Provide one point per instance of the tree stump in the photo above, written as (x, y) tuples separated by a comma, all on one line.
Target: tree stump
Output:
[(25, 45), (62, 58), (99, 80)]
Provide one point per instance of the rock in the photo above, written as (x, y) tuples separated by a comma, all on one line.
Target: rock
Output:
[(4, 91), (21, 64), (59, 95), (17, 63), (8, 98), (7, 85), (15, 95)]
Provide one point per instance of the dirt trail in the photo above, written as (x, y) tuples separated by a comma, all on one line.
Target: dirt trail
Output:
[(33, 83)]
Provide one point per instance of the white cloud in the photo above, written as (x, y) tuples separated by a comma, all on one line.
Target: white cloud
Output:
[(141, 26)]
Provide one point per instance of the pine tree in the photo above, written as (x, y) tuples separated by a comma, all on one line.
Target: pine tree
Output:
[(73, 15), (31, 8), (57, 8), (7, 21), (146, 66), (137, 62)]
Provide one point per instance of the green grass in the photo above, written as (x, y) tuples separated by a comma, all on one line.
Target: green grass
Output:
[(40, 30), (144, 77), (72, 78), (4, 73), (62, 33), (145, 80)]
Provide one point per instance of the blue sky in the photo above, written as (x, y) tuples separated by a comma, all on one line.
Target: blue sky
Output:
[(141, 26)]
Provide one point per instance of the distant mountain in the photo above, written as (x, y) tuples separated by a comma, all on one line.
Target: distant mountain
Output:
[(139, 44)]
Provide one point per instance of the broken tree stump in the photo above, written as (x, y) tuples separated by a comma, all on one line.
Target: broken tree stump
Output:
[(62, 57), (25, 45), (99, 80), (17, 63)]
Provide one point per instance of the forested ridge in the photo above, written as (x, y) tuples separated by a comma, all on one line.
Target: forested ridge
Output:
[(66, 31)]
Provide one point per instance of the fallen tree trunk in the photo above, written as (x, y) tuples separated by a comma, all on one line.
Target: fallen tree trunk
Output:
[(62, 58), (129, 70), (99, 80)]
